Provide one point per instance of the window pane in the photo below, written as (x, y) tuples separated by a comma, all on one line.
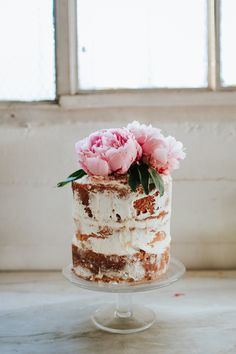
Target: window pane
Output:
[(142, 43), (227, 42), (27, 69)]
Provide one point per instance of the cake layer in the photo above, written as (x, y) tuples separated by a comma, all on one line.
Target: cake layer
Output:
[(91, 225), (126, 242), (104, 201), (138, 267), (110, 203)]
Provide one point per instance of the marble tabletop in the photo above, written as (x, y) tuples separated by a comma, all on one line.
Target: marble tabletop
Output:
[(43, 313)]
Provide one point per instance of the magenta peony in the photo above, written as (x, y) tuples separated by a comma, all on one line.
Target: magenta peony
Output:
[(107, 151)]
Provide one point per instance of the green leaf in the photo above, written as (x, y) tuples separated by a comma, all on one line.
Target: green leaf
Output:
[(144, 176), (61, 184), (77, 173), (157, 180), (68, 180), (133, 178), (74, 176), (151, 183)]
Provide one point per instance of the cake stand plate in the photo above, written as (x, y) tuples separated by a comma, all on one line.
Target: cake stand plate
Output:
[(123, 317)]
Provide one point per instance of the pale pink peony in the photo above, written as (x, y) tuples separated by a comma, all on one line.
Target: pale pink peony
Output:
[(160, 152), (167, 155), (107, 151), (143, 133)]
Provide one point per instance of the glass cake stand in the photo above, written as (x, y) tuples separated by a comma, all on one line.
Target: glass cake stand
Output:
[(123, 316)]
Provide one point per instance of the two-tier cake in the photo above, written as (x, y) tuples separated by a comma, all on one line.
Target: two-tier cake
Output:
[(122, 204)]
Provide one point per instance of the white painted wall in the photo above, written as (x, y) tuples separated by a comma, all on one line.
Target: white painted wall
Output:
[(37, 150)]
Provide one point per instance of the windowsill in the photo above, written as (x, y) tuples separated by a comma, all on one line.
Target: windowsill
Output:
[(133, 98), (173, 106), (149, 98)]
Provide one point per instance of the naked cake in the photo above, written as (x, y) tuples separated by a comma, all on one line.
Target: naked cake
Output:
[(122, 204)]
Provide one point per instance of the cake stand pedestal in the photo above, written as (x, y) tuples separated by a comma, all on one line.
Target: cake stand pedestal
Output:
[(123, 316)]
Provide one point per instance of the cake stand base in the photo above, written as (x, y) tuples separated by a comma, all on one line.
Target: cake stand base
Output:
[(109, 319), (123, 317)]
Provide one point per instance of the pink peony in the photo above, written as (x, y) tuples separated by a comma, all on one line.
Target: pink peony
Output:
[(160, 152), (107, 151)]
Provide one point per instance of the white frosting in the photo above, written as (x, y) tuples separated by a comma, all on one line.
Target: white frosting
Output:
[(82, 271), (130, 232), (127, 242)]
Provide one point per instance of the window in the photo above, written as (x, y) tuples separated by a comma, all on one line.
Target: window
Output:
[(114, 44), (156, 44), (227, 43), (27, 61), (142, 43)]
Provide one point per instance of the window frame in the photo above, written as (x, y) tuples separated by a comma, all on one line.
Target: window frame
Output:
[(69, 96)]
